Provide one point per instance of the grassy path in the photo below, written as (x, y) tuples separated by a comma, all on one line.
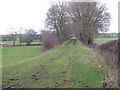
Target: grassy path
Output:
[(65, 66)]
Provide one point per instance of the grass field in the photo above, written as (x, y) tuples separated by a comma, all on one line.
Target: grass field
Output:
[(15, 55), (65, 66), (17, 42), (103, 40)]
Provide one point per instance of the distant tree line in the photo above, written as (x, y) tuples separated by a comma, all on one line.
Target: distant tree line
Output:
[(82, 19), (23, 37), (109, 35)]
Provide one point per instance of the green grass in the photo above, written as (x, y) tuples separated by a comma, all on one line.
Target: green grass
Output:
[(16, 55), (103, 40), (65, 66), (17, 42)]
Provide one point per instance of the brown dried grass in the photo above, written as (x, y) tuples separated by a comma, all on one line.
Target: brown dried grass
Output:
[(110, 52)]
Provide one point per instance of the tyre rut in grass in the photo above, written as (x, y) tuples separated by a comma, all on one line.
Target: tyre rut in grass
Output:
[(62, 80), (35, 77), (66, 81)]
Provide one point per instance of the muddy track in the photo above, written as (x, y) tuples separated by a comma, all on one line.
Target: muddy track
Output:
[(63, 81)]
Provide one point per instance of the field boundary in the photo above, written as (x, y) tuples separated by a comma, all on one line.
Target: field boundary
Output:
[(2, 46)]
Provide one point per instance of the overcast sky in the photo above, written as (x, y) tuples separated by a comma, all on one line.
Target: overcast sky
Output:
[(31, 14)]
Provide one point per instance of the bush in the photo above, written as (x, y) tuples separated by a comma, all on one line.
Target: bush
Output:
[(49, 40), (110, 52)]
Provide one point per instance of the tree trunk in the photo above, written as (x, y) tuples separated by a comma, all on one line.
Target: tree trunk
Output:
[(20, 42), (13, 42), (28, 43)]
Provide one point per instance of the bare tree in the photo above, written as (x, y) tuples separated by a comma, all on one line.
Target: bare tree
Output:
[(29, 36), (20, 33), (89, 18), (13, 36), (82, 19), (57, 19)]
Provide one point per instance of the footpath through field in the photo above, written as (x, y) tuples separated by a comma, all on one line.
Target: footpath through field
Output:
[(67, 66)]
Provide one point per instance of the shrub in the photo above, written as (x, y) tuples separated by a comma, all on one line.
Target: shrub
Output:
[(110, 52), (49, 40)]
